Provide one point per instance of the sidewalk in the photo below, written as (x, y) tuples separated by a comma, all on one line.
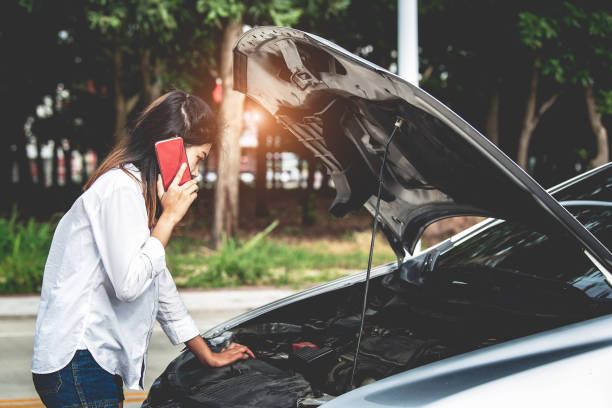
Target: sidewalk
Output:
[(196, 301)]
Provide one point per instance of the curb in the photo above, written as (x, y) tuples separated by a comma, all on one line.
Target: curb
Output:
[(196, 301)]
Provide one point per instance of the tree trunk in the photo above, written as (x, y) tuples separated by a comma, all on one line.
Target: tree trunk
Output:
[(39, 163), (145, 74), (156, 87), (55, 165), (151, 82), (309, 213), (261, 204), (325, 180), (225, 220), (22, 194), (492, 125), (602, 156), (532, 116), (83, 153), (67, 167), (7, 160), (312, 165), (23, 165), (122, 106), (528, 124)]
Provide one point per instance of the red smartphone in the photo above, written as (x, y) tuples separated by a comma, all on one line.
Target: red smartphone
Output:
[(170, 155)]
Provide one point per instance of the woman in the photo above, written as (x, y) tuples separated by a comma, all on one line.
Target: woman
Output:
[(105, 280)]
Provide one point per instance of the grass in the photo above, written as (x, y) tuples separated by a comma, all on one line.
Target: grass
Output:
[(24, 247), (262, 260)]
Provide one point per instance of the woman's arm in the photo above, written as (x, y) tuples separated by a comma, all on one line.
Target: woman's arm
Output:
[(172, 313), (175, 203), (174, 319), (131, 257)]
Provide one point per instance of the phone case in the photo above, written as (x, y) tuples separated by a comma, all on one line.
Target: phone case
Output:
[(170, 155)]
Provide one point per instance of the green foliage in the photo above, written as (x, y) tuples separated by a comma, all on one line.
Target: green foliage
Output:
[(135, 18), (244, 264), (215, 11), (604, 102), (573, 42), (535, 30), (255, 12), (271, 262), (106, 16), (260, 261), (23, 252), (326, 9)]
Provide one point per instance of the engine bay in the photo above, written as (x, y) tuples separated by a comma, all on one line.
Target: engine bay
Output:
[(323, 352), (305, 349), (300, 365)]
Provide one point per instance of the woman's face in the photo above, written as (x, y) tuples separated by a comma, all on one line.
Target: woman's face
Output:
[(196, 154)]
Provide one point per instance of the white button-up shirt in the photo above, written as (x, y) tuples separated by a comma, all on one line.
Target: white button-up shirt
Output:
[(105, 282)]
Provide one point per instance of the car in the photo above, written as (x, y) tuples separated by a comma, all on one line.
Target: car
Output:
[(515, 310)]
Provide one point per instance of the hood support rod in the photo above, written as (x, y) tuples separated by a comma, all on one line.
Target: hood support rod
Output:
[(396, 126)]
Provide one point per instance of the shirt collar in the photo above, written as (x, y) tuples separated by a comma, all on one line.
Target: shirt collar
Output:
[(131, 167)]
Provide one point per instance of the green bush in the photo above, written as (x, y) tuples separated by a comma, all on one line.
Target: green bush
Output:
[(236, 265), (266, 262), (23, 252), (261, 260)]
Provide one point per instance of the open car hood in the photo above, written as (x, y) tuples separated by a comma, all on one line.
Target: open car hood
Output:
[(343, 108)]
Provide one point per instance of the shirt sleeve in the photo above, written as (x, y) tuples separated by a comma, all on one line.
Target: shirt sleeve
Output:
[(131, 257), (172, 314)]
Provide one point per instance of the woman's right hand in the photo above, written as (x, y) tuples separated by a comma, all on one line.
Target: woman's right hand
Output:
[(176, 201), (229, 355)]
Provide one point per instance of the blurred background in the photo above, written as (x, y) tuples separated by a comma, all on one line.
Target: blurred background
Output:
[(534, 77)]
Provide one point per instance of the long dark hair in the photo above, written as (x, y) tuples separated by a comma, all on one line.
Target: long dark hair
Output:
[(174, 113)]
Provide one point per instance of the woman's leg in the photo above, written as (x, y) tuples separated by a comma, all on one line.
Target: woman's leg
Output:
[(57, 389), (119, 384), (82, 383)]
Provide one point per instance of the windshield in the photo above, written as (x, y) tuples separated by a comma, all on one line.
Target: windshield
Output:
[(510, 249), (596, 187)]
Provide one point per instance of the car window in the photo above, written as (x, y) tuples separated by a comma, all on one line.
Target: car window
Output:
[(597, 187), (513, 248)]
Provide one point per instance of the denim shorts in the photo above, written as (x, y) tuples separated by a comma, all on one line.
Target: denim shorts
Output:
[(82, 383)]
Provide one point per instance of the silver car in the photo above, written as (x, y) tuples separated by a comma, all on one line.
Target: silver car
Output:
[(512, 312)]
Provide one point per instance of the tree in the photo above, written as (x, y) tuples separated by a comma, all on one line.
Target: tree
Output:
[(133, 49), (469, 53), (572, 46), (141, 31), (229, 17), (533, 113)]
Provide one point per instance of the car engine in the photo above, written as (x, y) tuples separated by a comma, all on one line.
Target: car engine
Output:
[(305, 350), (296, 365)]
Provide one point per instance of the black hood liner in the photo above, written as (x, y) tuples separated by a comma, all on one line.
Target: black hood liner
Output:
[(343, 109)]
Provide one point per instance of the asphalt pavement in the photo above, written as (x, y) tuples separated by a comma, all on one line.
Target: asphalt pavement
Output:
[(17, 322)]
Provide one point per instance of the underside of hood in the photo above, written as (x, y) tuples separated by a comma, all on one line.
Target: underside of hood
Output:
[(343, 108)]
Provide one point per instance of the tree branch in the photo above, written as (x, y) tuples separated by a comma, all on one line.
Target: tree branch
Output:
[(546, 106), (601, 133), (213, 72), (131, 103), (427, 73)]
